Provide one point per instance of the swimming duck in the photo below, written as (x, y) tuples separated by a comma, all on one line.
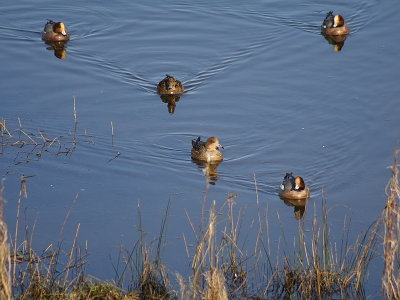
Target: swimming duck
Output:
[(207, 151), (170, 86), (293, 188), (55, 31), (334, 25)]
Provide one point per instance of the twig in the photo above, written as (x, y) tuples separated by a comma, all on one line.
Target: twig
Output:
[(22, 193), (112, 133), (75, 117), (27, 135), (71, 253), (115, 157)]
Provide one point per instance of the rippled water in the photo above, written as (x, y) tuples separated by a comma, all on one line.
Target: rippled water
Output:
[(257, 75)]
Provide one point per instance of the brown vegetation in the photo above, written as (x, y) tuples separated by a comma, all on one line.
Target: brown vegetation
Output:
[(391, 250), (316, 267)]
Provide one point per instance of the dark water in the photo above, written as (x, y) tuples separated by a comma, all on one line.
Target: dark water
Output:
[(258, 75)]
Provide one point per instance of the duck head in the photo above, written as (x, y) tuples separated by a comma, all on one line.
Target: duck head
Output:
[(213, 143), (59, 27), (299, 184), (338, 21)]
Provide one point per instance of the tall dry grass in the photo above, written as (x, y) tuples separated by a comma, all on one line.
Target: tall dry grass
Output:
[(322, 267), (391, 241), (208, 281), (140, 269), (314, 266), (50, 274), (5, 263)]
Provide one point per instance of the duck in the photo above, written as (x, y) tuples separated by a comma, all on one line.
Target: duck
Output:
[(170, 86), (55, 31), (293, 187), (207, 151), (334, 25)]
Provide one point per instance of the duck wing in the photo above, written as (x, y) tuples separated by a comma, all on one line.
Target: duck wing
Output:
[(197, 144)]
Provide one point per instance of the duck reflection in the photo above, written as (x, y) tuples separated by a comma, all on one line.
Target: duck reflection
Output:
[(171, 101), (299, 206), (59, 48), (336, 40), (209, 170)]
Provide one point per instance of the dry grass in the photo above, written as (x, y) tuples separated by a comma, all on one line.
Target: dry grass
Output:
[(141, 270), (5, 264), (219, 265), (208, 280), (31, 145), (316, 269), (43, 276), (320, 270), (313, 267), (391, 250)]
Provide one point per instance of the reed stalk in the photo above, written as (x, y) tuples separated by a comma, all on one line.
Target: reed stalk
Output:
[(391, 251), (5, 261)]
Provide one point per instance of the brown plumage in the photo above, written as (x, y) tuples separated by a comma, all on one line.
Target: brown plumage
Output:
[(293, 188), (55, 31), (170, 86), (334, 25), (207, 151)]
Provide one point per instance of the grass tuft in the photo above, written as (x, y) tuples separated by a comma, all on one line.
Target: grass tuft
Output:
[(314, 267)]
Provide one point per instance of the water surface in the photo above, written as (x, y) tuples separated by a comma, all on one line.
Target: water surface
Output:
[(258, 75)]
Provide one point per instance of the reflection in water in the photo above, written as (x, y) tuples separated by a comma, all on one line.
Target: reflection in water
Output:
[(299, 206), (171, 101), (59, 47), (209, 170), (336, 40)]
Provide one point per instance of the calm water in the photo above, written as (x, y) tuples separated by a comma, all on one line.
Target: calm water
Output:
[(259, 76)]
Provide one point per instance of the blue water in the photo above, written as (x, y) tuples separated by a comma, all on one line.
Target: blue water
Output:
[(258, 75)]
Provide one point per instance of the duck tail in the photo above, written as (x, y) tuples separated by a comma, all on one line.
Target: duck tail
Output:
[(195, 142)]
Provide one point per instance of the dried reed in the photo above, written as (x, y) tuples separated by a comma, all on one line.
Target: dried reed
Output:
[(5, 263), (314, 267), (391, 250)]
